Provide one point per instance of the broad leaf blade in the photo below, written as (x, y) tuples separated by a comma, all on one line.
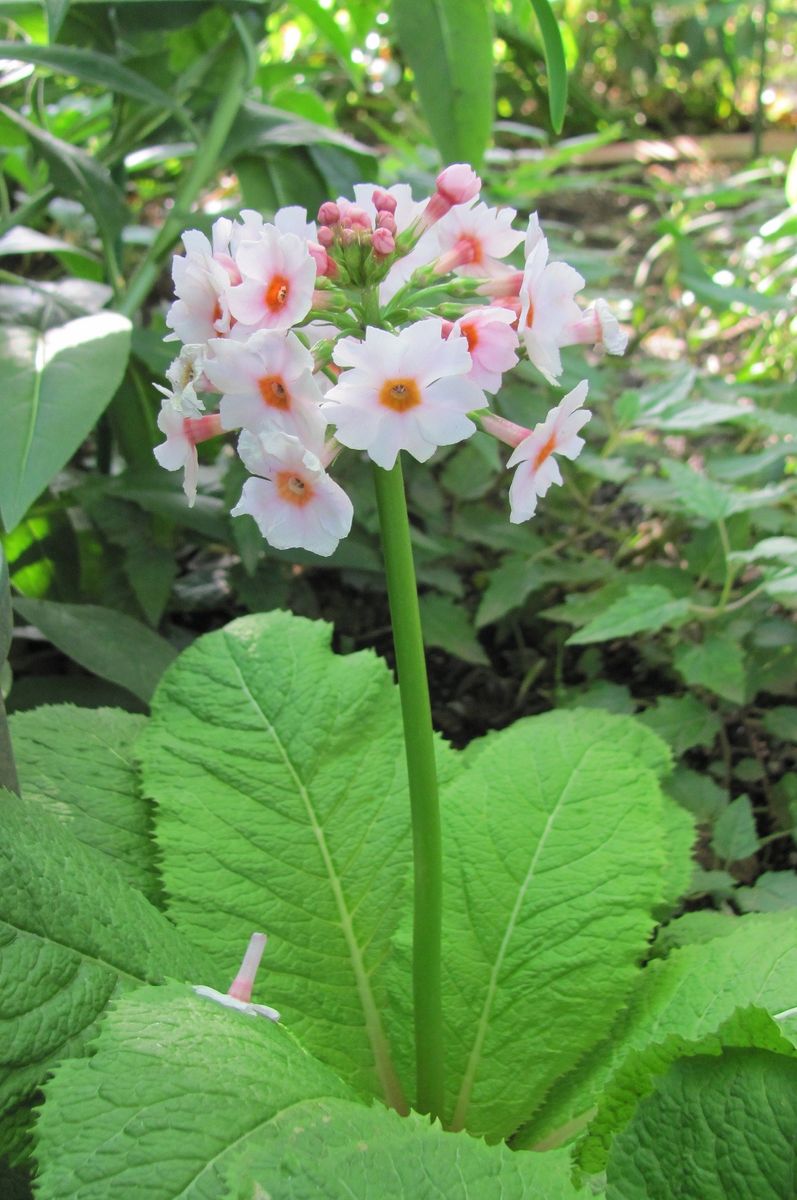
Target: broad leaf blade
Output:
[(178, 1086), (56, 384), (72, 931), (448, 45), (77, 763), (716, 663), (746, 1028), (339, 1150), (738, 1118), (277, 769), (554, 848), (640, 609), (109, 643), (690, 995)]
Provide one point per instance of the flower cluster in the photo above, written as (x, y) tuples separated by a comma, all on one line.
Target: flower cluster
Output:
[(383, 327)]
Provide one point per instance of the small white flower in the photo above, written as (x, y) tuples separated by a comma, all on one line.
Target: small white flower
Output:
[(599, 327), (491, 342), (252, 1010), (201, 310), (473, 240), (186, 373), (534, 458), (182, 435), (250, 228), (294, 501), (240, 994), (547, 308), (278, 278), (267, 384), (404, 391)]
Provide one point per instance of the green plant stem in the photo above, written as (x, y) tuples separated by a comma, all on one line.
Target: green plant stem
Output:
[(202, 169), (422, 775), (730, 574)]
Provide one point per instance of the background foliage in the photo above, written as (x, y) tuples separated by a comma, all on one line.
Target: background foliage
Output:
[(661, 581)]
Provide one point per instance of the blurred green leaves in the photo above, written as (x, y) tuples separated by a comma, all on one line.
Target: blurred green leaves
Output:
[(448, 46)]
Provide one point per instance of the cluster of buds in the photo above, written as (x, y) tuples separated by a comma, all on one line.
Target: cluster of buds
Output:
[(381, 328)]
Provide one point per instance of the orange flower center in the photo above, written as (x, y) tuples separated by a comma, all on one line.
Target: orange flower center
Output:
[(217, 313), (470, 249), (530, 316), (399, 394), (470, 333), (545, 452), (276, 294), (293, 488), (274, 392)]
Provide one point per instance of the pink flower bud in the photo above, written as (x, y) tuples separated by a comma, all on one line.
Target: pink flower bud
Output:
[(347, 236), (328, 213), (322, 261), (325, 235), (383, 202), (386, 220), (384, 243), (357, 218), (458, 183)]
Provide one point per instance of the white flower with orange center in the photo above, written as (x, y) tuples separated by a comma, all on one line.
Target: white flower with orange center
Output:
[(492, 342), (473, 240), (403, 391), (201, 310), (534, 458), (267, 384), (293, 500), (547, 307), (278, 277)]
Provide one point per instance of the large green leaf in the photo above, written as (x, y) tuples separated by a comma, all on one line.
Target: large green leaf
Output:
[(71, 932), (714, 1129), (56, 384), (92, 67), (278, 772), (746, 1028), (640, 609), (104, 641), (177, 1087), (186, 1099), (77, 763), (339, 1150), (554, 863), (448, 44), (689, 995)]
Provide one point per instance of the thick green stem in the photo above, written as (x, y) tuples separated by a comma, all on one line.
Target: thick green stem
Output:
[(422, 774), (203, 166)]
